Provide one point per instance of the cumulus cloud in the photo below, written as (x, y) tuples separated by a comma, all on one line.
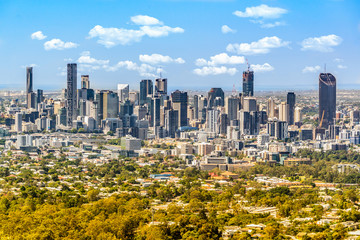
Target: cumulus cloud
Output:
[(220, 59), (338, 60), (261, 11), (321, 44), (144, 70), (262, 46), (266, 67), (226, 29), (88, 63), (38, 35), (340, 66), (57, 44), (262, 14), (145, 20), (211, 70), (151, 27), (158, 58), (311, 69)]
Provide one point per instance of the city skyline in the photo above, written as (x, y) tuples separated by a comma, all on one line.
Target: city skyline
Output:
[(282, 39)]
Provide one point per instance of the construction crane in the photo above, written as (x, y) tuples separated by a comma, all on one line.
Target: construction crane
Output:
[(247, 63)]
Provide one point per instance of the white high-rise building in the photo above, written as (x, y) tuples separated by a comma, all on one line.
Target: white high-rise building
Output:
[(123, 92), (18, 122), (283, 112), (298, 115)]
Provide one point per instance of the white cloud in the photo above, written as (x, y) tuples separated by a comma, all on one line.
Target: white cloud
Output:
[(321, 44), (261, 11), (226, 29), (338, 60), (160, 31), (158, 58), (58, 44), (38, 35), (145, 20), (311, 69), (211, 70), (220, 59), (88, 63), (110, 37), (340, 66), (144, 70), (266, 67), (270, 25), (260, 47)]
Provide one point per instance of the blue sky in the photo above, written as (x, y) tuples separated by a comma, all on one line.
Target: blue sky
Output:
[(195, 44)]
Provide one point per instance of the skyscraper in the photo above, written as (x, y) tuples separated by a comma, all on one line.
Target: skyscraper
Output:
[(29, 79), (30, 95), (248, 83), (179, 100), (146, 90), (232, 106), (85, 83), (123, 92), (327, 98), (161, 86), (71, 97), (215, 97), (290, 100)]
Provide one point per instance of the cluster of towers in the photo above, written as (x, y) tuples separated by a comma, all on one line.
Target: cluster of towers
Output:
[(133, 112)]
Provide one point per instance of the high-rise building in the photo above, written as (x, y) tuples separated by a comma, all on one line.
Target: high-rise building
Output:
[(327, 98), (298, 115), (270, 109), (248, 83), (196, 106), (179, 100), (290, 100), (71, 96), (30, 95), (85, 83), (108, 104), (29, 79), (18, 122), (283, 112), (232, 106), (277, 129), (155, 112), (171, 122), (123, 92), (249, 104), (215, 97), (146, 91), (161, 86), (39, 96)]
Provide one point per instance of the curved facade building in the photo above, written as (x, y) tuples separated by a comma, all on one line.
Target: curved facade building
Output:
[(327, 98)]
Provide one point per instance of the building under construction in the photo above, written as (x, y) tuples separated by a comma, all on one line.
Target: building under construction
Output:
[(327, 99)]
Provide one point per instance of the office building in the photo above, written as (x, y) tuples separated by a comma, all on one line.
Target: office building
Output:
[(71, 93), (146, 91), (179, 102), (85, 83), (248, 83), (215, 97), (161, 86), (18, 122), (290, 101), (232, 106), (123, 92), (327, 98)]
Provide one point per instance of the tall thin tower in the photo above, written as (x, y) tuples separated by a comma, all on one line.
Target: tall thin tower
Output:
[(29, 79), (71, 93), (327, 98), (248, 82)]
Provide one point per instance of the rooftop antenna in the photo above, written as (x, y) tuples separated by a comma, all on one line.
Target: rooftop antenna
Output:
[(234, 91), (247, 63), (160, 69)]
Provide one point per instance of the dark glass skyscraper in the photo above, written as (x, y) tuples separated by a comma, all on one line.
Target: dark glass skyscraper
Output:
[(146, 90), (179, 100), (290, 101), (248, 83), (29, 79), (213, 94), (71, 98), (327, 98)]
